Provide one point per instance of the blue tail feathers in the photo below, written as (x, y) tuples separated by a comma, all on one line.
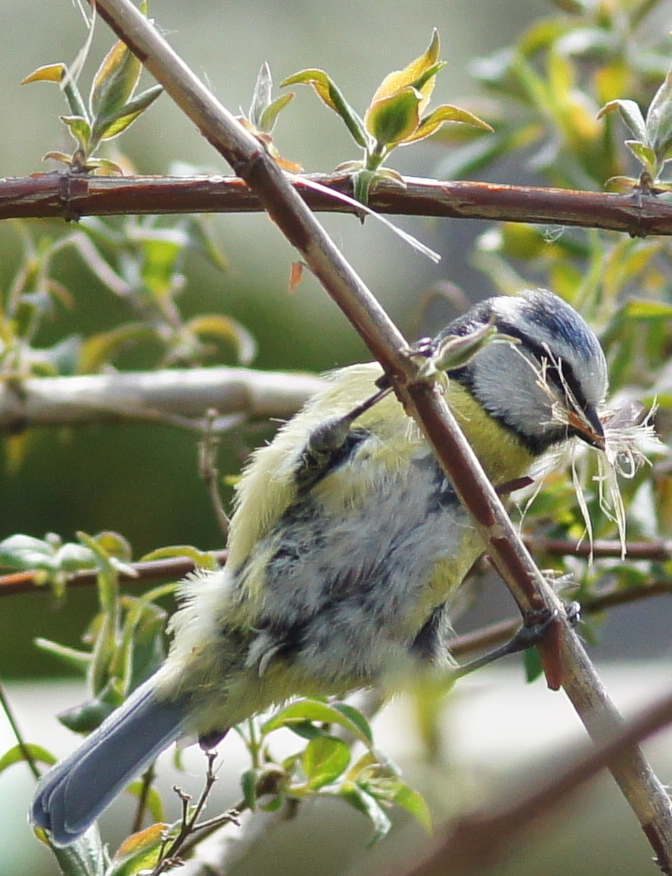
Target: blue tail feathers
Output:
[(74, 793)]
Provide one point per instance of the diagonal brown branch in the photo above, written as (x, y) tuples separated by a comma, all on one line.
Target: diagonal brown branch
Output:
[(249, 160), (71, 197)]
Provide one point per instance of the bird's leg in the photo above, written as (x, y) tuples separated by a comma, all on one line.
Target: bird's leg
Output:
[(530, 634), (328, 441)]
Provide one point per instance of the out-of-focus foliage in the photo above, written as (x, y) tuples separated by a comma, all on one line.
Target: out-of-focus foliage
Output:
[(139, 260)]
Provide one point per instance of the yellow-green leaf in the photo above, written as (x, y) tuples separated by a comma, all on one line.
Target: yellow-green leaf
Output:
[(321, 82), (100, 349), (330, 94), (48, 73), (639, 309), (395, 118), (446, 113), (202, 559), (414, 803), (80, 130), (399, 79), (115, 81), (18, 753), (227, 329), (139, 852), (644, 154), (107, 127), (271, 112), (325, 758)]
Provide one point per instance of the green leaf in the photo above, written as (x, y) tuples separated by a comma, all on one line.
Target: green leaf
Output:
[(79, 660), (108, 127), (362, 180), (261, 96), (104, 167), (62, 358), (454, 352), (248, 783), (324, 760), (17, 754), (162, 248), (534, 667), (306, 730), (356, 717), (328, 92), (139, 852), (107, 573), (644, 154), (102, 349), (393, 119), (639, 309), (26, 552), (86, 717), (273, 110), (369, 806), (115, 545), (114, 82), (72, 557), (227, 329), (143, 649), (203, 240), (631, 115), (414, 803), (80, 130), (659, 119), (313, 710)]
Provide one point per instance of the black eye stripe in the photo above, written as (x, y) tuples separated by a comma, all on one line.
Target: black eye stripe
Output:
[(566, 378)]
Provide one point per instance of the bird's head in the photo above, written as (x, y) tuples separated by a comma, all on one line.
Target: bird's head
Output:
[(545, 379)]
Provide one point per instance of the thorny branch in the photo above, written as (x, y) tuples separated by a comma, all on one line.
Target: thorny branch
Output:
[(70, 197)]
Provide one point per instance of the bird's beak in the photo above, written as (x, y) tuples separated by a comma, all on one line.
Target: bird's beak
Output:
[(588, 427)]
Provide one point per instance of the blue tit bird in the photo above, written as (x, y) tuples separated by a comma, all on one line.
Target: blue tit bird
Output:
[(347, 543)]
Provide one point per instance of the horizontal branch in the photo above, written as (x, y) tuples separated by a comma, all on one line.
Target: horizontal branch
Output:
[(70, 197), (659, 550), (179, 396), (167, 569)]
